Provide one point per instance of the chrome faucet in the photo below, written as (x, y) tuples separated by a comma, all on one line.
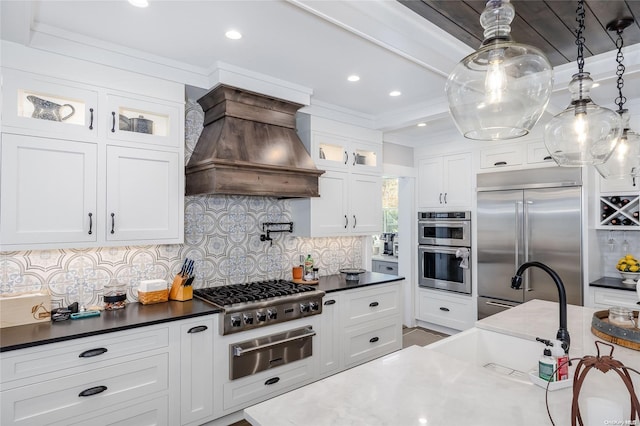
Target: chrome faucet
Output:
[(563, 333)]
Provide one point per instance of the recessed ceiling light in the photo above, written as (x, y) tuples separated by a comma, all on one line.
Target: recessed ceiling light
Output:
[(422, 124), (395, 93), (233, 35), (139, 3), (353, 78)]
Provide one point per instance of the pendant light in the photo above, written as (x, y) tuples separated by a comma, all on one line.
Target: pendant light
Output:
[(625, 160), (501, 90), (584, 133)]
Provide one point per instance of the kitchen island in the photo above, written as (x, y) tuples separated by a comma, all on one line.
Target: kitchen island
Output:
[(418, 386)]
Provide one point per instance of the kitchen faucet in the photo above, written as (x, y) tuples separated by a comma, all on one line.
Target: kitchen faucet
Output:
[(563, 333)]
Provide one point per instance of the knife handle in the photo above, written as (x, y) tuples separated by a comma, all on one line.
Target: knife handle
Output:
[(85, 314)]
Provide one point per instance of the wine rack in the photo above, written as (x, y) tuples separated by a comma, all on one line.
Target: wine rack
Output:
[(620, 211)]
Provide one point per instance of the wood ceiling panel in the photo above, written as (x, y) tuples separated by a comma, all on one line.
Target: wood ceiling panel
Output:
[(547, 24)]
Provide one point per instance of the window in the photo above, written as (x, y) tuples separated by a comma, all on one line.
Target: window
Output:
[(390, 205)]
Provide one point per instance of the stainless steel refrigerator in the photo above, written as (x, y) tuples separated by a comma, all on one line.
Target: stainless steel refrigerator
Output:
[(528, 215)]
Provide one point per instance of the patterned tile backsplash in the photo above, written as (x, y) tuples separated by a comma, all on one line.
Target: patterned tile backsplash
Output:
[(222, 235)]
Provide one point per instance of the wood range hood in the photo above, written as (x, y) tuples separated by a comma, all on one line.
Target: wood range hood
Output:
[(249, 146)]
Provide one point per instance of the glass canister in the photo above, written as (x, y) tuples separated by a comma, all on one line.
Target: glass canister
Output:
[(115, 295), (621, 316)]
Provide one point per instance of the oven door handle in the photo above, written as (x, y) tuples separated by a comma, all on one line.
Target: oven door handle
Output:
[(238, 351)]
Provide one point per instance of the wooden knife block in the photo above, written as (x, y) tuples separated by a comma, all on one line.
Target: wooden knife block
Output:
[(179, 291)]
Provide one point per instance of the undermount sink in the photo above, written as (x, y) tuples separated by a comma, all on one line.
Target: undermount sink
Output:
[(505, 355)]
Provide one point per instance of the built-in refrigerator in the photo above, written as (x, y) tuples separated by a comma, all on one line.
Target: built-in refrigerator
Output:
[(528, 215)]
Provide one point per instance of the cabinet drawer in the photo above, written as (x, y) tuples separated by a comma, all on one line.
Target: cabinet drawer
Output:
[(258, 387), (153, 412), (537, 153), (449, 311), (385, 267), (370, 304), (501, 157), (51, 360), (364, 343), (609, 298), (54, 400)]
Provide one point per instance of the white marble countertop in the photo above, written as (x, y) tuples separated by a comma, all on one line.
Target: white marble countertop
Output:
[(419, 386)]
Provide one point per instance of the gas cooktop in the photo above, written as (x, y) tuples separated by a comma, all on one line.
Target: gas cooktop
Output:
[(251, 292)]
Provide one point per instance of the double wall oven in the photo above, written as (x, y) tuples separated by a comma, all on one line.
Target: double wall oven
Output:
[(444, 250)]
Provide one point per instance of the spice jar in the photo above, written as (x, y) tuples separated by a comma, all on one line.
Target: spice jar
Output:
[(115, 295), (621, 316)]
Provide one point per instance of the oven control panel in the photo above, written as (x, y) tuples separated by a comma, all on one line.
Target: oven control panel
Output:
[(271, 312)]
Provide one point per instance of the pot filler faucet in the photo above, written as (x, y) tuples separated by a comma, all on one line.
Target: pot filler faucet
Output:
[(563, 333)]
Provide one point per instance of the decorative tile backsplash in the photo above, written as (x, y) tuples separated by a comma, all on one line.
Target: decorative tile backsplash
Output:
[(222, 234)]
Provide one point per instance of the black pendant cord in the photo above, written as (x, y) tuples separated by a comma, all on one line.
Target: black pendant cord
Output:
[(620, 100), (579, 35)]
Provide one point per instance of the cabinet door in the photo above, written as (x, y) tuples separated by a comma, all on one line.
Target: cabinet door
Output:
[(330, 151), (48, 191), (537, 153), (135, 120), (143, 195), (365, 200), (330, 209), (501, 156), (430, 182), (457, 180), (365, 157), (330, 332), (35, 102), (196, 369), (616, 186)]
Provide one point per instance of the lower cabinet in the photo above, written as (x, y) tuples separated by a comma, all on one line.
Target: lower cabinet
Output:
[(606, 298), (384, 267), (360, 325), (446, 309)]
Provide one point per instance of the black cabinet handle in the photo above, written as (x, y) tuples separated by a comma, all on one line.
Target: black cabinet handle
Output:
[(346, 221), (442, 308), (373, 304), (440, 198), (113, 222), (389, 268), (90, 222), (445, 197), (272, 381), (113, 122), (547, 158), (330, 302), (91, 119), (93, 391), (373, 340), (500, 163), (354, 159), (354, 222), (92, 352), (197, 329), (346, 157)]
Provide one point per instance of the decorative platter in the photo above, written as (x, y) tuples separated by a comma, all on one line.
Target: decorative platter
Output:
[(353, 274)]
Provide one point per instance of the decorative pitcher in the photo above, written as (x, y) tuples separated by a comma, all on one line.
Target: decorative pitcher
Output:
[(47, 110)]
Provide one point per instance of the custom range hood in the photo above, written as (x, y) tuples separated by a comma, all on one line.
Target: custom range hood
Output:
[(249, 146)]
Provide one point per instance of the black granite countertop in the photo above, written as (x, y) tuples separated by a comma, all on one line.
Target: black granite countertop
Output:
[(613, 283), (331, 283), (133, 316)]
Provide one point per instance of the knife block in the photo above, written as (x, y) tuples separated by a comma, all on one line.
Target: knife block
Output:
[(179, 291)]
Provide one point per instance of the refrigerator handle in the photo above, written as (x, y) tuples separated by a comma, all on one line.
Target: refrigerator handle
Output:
[(517, 233), (527, 231)]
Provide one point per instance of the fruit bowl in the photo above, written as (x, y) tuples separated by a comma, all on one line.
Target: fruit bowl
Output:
[(630, 277)]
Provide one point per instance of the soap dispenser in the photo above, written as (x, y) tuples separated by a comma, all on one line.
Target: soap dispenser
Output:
[(547, 366)]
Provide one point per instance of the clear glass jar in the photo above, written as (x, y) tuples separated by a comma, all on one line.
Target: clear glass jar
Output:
[(115, 295), (621, 316)]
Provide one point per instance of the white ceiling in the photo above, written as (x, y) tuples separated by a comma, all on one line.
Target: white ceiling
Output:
[(306, 45)]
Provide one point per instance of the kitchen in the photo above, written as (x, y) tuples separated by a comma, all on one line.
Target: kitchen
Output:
[(223, 232)]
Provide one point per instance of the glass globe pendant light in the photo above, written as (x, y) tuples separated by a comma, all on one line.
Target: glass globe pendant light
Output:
[(584, 133), (501, 90), (625, 160)]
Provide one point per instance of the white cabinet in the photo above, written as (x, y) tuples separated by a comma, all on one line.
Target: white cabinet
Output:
[(606, 298), (384, 267), (142, 191), (87, 166), (501, 156), (537, 153), (334, 152), (196, 369), (445, 181), (48, 191), (330, 335), (451, 310), (67, 382)]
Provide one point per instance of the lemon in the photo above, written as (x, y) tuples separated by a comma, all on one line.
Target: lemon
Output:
[(633, 268)]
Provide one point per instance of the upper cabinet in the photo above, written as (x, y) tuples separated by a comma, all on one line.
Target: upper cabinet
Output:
[(445, 181), (87, 166), (32, 102), (350, 201), (516, 155)]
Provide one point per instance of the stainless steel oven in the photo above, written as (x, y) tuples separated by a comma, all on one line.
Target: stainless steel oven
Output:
[(444, 253)]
